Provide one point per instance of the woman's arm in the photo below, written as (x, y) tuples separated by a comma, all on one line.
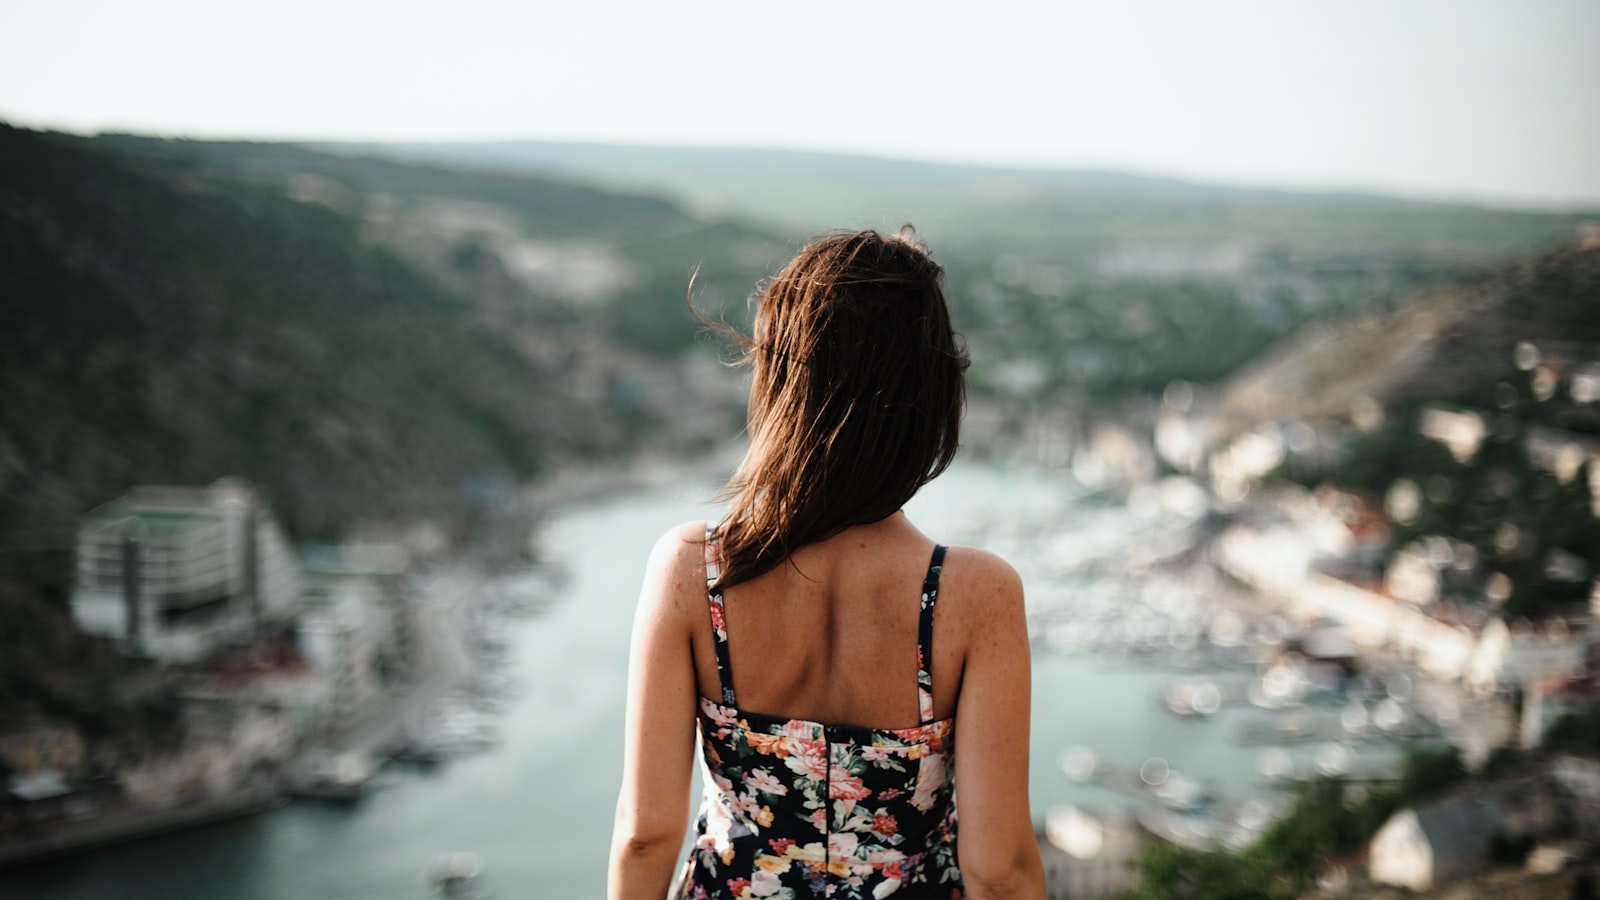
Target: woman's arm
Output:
[(658, 751), (998, 851)]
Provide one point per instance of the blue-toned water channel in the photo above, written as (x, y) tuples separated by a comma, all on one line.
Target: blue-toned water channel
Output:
[(537, 807)]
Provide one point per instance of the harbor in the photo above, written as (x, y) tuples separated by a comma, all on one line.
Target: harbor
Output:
[(1145, 657)]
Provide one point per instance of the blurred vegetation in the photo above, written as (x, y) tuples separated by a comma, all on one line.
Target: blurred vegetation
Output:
[(1329, 819), (449, 222), (367, 338), (48, 667), (1575, 732), (1084, 288), (1512, 511), (173, 322), (372, 338)]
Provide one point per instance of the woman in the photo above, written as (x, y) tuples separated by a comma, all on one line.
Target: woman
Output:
[(832, 769)]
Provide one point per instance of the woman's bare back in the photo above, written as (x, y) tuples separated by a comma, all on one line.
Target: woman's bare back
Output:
[(832, 637)]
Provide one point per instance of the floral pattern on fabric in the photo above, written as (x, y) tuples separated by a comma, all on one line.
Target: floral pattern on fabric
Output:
[(794, 809)]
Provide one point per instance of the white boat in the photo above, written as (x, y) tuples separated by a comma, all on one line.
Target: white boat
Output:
[(337, 776), (1080, 764), (1182, 793), (1192, 698), (458, 875)]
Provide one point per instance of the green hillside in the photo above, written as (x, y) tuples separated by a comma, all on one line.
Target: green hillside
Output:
[(1522, 496), (1079, 287), (174, 314), (369, 337), (457, 222)]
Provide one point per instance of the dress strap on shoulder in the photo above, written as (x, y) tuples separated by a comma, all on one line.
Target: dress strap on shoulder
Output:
[(930, 595), (719, 621)]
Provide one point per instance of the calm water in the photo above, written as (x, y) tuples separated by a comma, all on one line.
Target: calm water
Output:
[(538, 807)]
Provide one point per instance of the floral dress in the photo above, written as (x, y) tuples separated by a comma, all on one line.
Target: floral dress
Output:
[(795, 809)]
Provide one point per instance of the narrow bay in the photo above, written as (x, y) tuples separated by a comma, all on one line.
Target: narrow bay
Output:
[(537, 807)]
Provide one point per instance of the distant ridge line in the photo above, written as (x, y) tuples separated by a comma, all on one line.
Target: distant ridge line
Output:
[(589, 157)]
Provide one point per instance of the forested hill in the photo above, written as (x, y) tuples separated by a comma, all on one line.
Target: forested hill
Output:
[(350, 337), (1500, 372), (372, 338), (1457, 343), (1080, 289)]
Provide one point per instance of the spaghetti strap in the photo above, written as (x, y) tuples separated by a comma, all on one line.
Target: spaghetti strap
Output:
[(930, 595), (719, 622), (812, 809)]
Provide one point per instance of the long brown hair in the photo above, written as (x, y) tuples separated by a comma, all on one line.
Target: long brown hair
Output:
[(856, 399)]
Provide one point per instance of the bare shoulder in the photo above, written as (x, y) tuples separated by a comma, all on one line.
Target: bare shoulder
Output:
[(979, 573), (675, 574), (981, 589), (681, 544)]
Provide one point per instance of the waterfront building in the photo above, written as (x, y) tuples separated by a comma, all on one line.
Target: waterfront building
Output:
[(1424, 847), (1450, 838), (1448, 642), (342, 659), (1521, 657), (176, 573), (356, 624), (1088, 855), (367, 585)]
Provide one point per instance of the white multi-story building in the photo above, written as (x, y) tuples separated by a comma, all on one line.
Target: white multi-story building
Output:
[(342, 658), (356, 622), (174, 573), (367, 582)]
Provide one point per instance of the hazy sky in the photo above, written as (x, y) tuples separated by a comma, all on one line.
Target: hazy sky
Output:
[(1496, 100)]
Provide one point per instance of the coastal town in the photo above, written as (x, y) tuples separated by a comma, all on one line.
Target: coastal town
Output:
[(296, 673), (1307, 520), (274, 673), (1356, 641), (359, 365)]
